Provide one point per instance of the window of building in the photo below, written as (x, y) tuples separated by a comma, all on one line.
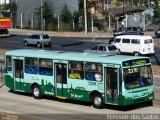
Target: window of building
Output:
[(45, 67), (8, 63), (93, 71), (76, 70), (31, 65)]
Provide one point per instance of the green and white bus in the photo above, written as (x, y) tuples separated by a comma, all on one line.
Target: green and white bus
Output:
[(101, 79)]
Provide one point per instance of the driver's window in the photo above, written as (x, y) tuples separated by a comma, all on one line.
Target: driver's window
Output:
[(95, 48)]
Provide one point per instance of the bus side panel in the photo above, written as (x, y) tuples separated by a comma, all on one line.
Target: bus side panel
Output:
[(9, 82), (46, 83), (81, 89)]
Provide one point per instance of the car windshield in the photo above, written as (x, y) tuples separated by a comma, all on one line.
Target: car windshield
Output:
[(112, 48), (94, 48), (45, 36), (137, 77)]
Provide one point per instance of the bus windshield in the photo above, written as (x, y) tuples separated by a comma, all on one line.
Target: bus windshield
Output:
[(135, 77)]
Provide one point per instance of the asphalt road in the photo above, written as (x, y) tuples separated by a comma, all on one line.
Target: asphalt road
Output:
[(77, 44), (54, 109)]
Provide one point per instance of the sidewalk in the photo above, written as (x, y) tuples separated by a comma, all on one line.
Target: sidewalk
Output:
[(64, 34), (68, 34), (1, 83)]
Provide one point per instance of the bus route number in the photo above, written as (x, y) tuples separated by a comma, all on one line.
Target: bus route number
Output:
[(132, 70)]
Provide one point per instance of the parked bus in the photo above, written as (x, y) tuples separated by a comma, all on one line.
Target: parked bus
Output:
[(101, 79)]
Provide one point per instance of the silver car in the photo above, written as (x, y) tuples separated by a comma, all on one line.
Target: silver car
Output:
[(103, 49), (36, 39)]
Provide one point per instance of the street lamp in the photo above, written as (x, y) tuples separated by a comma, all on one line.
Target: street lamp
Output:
[(42, 23), (85, 16)]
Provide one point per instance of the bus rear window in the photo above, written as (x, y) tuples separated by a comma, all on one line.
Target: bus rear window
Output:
[(148, 41)]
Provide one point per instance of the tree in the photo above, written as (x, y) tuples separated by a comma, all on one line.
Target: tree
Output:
[(157, 12), (10, 10), (47, 14), (66, 15), (66, 18)]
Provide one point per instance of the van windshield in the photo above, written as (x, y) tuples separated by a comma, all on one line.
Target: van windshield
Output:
[(148, 41)]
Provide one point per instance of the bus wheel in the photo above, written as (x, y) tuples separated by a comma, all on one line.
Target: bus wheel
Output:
[(97, 101), (36, 92)]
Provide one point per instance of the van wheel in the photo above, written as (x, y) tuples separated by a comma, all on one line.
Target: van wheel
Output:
[(36, 92), (136, 54), (25, 43), (97, 101), (38, 45), (119, 51)]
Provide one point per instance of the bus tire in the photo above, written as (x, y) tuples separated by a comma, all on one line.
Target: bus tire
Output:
[(97, 101), (36, 92)]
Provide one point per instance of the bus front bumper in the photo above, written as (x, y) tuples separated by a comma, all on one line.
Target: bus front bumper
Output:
[(124, 101)]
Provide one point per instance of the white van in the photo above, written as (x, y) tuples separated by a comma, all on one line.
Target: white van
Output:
[(135, 44)]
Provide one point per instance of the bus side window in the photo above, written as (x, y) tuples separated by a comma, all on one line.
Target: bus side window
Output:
[(76, 70), (8, 63), (45, 67), (93, 71), (31, 65)]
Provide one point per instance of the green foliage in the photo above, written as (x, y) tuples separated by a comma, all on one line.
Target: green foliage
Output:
[(157, 11), (78, 20), (66, 15), (118, 3), (12, 7), (47, 14), (99, 24)]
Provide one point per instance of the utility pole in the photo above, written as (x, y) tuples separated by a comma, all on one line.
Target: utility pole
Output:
[(85, 16), (123, 8), (42, 23)]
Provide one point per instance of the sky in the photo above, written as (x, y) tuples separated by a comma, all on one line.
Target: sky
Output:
[(2, 1)]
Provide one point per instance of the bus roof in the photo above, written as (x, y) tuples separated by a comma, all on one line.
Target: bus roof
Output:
[(74, 56), (135, 36)]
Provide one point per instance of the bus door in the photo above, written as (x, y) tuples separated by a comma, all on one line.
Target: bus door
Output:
[(61, 80), (18, 74), (111, 85)]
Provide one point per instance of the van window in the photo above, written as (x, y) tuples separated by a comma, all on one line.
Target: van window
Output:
[(135, 41), (117, 40), (126, 41), (148, 41)]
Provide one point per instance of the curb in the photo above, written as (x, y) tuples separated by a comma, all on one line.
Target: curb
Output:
[(60, 34)]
